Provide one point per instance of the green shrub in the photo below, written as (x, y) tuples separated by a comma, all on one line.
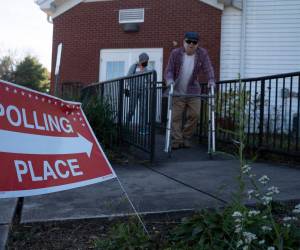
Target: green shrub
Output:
[(101, 119), (129, 236), (205, 230)]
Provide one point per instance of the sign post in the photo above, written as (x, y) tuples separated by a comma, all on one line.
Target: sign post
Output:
[(46, 145), (57, 69)]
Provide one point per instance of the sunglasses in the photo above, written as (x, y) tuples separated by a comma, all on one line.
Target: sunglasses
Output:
[(190, 41)]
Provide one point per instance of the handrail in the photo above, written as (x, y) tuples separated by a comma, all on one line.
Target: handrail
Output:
[(261, 77), (120, 78)]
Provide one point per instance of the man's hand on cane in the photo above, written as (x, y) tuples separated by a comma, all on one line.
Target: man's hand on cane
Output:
[(170, 85)]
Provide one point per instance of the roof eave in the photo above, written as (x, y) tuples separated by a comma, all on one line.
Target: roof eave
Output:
[(48, 6), (214, 3), (233, 3), (55, 8)]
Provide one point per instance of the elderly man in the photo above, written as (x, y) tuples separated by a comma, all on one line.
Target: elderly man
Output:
[(183, 69)]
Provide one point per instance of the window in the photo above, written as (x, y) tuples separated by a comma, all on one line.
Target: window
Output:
[(115, 69)]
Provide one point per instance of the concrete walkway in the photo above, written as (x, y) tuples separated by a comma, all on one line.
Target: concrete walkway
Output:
[(150, 191), (7, 210)]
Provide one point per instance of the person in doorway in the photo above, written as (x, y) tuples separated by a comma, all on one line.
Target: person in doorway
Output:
[(137, 93), (183, 69), (141, 66)]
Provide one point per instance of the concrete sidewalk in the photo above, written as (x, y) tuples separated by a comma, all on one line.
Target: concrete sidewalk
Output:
[(7, 210), (150, 191)]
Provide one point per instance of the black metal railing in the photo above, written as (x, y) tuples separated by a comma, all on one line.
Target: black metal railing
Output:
[(71, 90), (271, 112), (133, 102)]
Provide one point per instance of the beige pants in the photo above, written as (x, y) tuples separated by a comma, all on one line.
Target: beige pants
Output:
[(192, 106)]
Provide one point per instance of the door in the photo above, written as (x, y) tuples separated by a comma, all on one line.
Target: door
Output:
[(116, 62)]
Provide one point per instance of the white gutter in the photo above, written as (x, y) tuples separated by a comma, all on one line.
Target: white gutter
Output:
[(234, 3), (49, 19)]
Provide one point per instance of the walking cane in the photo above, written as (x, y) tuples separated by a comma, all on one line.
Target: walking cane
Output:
[(169, 121), (211, 122)]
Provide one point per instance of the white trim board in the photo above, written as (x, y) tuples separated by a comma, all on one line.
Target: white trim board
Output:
[(61, 8)]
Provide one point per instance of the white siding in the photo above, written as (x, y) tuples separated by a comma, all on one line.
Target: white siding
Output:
[(230, 43), (272, 46), (272, 37)]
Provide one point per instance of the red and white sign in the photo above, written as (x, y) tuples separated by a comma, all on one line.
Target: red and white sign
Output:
[(46, 145)]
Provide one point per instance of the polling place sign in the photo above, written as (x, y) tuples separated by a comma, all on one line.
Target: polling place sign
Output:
[(46, 145)]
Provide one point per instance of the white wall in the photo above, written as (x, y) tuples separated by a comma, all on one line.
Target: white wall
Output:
[(230, 43), (271, 46), (272, 38)]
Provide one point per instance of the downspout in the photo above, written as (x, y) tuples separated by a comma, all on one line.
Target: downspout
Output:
[(243, 40), (49, 19)]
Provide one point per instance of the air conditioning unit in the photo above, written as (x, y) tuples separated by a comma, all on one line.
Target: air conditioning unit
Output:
[(130, 19)]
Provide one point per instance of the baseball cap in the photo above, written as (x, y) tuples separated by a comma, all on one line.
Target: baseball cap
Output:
[(193, 36), (143, 57)]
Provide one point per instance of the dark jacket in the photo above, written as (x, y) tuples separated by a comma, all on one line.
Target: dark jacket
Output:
[(202, 62)]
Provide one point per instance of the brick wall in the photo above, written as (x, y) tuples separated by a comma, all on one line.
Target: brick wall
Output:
[(89, 27)]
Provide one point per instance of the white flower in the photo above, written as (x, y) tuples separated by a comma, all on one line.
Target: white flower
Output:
[(250, 193), (296, 211), (239, 243), (249, 237), (237, 214), (245, 248), (289, 218), (265, 217), (238, 230), (253, 213), (273, 190), (271, 248), (252, 175), (246, 169), (238, 221), (266, 200), (287, 225), (264, 179), (261, 242), (266, 229)]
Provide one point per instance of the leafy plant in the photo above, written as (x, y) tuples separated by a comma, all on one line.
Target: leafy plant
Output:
[(257, 229), (205, 230), (129, 236), (239, 226), (101, 119), (30, 73)]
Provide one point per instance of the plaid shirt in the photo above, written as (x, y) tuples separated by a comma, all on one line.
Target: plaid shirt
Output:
[(202, 62)]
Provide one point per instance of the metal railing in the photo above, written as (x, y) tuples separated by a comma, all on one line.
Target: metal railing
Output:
[(271, 110), (71, 90), (133, 103)]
